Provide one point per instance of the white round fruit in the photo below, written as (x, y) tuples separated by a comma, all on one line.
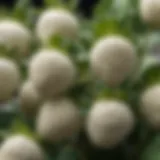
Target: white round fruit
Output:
[(150, 105), (53, 22), (109, 123), (6, 157), (19, 147), (51, 72), (58, 120), (149, 9), (29, 98), (113, 59), (13, 35), (9, 78)]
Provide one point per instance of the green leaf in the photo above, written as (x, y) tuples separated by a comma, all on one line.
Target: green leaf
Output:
[(102, 9), (109, 26), (55, 41), (152, 151), (4, 13), (20, 10), (72, 4), (31, 17), (50, 149), (149, 71), (69, 153), (121, 8), (59, 42), (54, 3), (153, 43), (6, 118), (19, 127), (107, 93)]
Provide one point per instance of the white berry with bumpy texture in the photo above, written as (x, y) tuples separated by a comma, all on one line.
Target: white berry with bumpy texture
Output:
[(19, 147), (55, 22), (150, 105), (58, 120), (109, 123), (13, 35), (149, 9), (9, 78), (113, 59), (51, 72), (29, 97)]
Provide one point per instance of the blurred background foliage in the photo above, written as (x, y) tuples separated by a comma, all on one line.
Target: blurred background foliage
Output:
[(108, 17)]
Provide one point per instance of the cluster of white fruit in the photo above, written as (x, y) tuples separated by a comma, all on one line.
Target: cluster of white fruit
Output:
[(51, 74), (109, 122), (150, 102)]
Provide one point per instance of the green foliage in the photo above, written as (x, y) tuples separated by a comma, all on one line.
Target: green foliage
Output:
[(152, 151), (69, 153), (109, 17)]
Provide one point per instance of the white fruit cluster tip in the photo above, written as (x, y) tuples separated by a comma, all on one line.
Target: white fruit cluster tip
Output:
[(29, 97), (113, 59), (58, 120), (150, 105), (9, 78), (55, 22), (51, 72), (149, 11), (109, 123), (19, 147), (13, 35)]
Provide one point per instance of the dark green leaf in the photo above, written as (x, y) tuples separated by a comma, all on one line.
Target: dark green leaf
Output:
[(69, 153), (152, 150), (54, 3)]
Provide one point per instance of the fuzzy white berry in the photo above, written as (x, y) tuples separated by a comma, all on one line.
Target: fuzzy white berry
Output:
[(112, 59), (108, 123), (58, 120), (13, 35), (149, 11), (29, 98), (9, 78), (51, 72), (150, 105), (56, 22), (19, 147), (6, 157)]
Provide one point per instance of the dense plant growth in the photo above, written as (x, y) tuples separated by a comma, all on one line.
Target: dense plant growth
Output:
[(73, 88)]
